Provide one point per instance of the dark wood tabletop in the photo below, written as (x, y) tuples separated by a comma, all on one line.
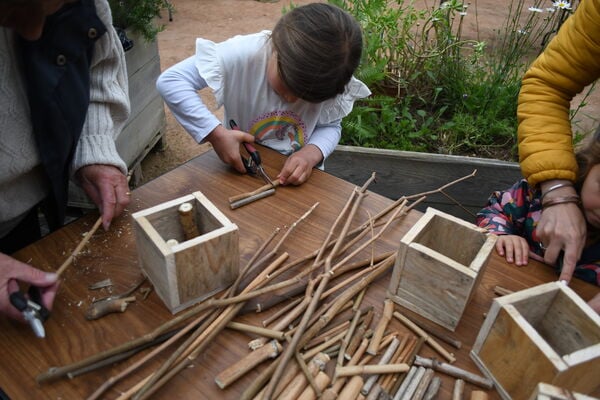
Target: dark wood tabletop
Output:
[(70, 337)]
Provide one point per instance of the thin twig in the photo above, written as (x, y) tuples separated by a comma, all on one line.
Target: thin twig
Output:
[(83, 242)]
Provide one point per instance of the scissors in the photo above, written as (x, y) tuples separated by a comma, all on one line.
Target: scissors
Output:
[(32, 309), (253, 164)]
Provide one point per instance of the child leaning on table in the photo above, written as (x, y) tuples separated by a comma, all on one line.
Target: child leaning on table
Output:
[(513, 215), (287, 89)]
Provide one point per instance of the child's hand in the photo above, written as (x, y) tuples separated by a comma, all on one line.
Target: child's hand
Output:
[(299, 165), (595, 303), (227, 145), (514, 248)]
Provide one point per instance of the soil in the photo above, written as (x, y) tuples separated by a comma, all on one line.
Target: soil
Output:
[(218, 20)]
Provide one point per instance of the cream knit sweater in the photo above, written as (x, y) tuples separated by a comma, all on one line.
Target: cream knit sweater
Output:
[(22, 182)]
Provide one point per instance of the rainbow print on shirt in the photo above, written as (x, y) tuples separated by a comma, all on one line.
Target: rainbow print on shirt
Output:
[(283, 131)]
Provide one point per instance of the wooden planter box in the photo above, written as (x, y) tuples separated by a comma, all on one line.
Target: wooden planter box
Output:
[(401, 173), (440, 262), (144, 128), (544, 391), (191, 270), (543, 334)]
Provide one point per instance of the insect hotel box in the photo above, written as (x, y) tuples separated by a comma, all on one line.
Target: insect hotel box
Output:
[(440, 262), (545, 391), (188, 249), (543, 334)]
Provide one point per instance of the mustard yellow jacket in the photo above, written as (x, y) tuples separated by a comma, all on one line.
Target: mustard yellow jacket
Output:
[(570, 62)]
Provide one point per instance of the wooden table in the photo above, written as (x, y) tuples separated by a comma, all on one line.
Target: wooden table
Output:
[(112, 254)]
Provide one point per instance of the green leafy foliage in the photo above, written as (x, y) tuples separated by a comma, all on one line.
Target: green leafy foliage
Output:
[(139, 15), (435, 90)]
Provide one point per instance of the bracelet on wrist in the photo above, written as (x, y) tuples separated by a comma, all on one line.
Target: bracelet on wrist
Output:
[(554, 187), (561, 200)]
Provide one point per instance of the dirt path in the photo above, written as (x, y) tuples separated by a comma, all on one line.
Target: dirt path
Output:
[(220, 19)]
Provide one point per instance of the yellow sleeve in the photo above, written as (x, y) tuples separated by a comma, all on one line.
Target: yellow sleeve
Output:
[(570, 62)]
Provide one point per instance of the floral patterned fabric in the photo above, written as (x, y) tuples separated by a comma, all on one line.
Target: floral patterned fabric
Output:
[(516, 211)]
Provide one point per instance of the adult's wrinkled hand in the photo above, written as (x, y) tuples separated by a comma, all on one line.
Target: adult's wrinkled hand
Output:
[(562, 227), (107, 187)]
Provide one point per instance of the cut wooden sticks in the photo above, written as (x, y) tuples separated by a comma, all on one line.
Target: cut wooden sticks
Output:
[(361, 332), (437, 333), (384, 360), (240, 368), (83, 242), (321, 380), (388, 309), (324, 280), (251, 199), (187, 218), (338, 382), (454, 372), (398, 395), (270, 333), (371, 369), (387, 381), (337, 253), (433, 388), (101, 308), (423, 384), (501, 291), (479, 395), (196, 343), (432, 342), (348, 336), (261, 189), (299, 382), (458, 389)]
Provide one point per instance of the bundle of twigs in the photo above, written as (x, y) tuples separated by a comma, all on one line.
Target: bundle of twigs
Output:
[(309, 315)]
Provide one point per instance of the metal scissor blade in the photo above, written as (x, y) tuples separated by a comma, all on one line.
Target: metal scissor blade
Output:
[(264, 175)]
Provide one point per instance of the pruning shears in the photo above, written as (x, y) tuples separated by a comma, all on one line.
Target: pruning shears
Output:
[(32, 309), (254, 163)]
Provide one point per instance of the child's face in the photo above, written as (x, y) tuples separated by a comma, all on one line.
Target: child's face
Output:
[(590, 196), (27, 17), (276, 82)]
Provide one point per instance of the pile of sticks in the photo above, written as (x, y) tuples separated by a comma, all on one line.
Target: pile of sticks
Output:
[(320, 344)]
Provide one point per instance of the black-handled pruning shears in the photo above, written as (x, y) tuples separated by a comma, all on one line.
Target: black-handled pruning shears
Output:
[(254, 163), (32, 309)]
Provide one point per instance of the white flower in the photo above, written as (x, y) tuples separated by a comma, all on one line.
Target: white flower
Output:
[(550, 9), (565, 5), (463, 13), (534, 9)]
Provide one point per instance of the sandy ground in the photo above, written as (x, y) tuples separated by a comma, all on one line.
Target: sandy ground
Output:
[(220, 19)]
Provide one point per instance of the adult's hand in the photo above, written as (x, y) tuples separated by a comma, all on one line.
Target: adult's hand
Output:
[(13, 271), (562, 227), (107, 187), (226, 144)]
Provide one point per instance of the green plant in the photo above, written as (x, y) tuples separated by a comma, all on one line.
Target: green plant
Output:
[(139, 15), (435, 90)]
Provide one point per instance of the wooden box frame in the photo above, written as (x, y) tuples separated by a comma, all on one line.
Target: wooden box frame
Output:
[(543, 334), (545, 391), (439, 264), (191, 270)]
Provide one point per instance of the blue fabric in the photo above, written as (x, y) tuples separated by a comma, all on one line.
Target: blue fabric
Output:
[(59, 93)]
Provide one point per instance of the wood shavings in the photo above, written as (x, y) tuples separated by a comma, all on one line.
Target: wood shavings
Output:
[(101, 284)]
